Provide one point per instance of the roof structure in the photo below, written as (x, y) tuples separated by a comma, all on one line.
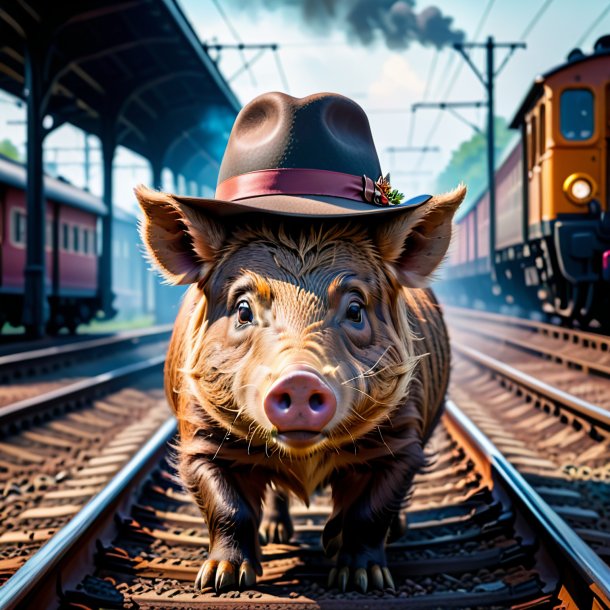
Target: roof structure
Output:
[(14, 174), (135, 63)]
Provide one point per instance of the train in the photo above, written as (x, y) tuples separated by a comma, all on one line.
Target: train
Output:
[(72, 244), (548, 252)]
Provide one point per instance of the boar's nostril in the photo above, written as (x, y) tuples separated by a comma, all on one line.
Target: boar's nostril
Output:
[(316, 401), (284, 401)]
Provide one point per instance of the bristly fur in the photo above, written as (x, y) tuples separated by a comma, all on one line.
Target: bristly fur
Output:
[(390, 374)]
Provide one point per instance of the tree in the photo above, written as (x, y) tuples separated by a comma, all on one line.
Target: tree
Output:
[(8, 149), (468, 162)]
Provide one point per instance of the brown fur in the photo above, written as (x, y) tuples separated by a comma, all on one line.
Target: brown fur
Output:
[(390, 374)]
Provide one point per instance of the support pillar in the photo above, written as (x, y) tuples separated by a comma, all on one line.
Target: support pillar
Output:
[(108, 141), (35, 306), (491, 153), (156, 165)]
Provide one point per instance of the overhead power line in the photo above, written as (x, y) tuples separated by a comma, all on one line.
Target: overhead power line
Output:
[(535, 19), (593, 25), (237, 37), (454, 78)]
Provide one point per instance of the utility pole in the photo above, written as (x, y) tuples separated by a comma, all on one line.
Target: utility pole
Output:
[(488, 81)]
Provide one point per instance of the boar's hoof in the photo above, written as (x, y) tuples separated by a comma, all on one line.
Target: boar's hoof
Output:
[(276, 530), (376, 577), (223, 575)]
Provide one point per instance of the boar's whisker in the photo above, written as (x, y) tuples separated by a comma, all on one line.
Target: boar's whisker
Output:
[(378, 402), (251, 435), (369, 372), (225, 437), (350, 435), (383, 441), (228, 433)]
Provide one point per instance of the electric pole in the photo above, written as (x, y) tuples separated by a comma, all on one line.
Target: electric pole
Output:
[(488, 81)]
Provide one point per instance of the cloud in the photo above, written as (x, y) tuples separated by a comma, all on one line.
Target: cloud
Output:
[(395, 82)]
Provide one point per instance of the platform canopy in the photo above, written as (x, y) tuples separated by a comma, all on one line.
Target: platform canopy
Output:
[(135, 66)]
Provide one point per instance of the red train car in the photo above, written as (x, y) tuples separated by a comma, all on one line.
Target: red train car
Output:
[(72, 249)]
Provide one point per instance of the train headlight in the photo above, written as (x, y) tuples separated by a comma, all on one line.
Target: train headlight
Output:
[(579, 188)]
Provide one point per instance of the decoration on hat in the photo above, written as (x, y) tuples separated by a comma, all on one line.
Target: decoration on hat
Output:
[(381, 192), (389, 195)]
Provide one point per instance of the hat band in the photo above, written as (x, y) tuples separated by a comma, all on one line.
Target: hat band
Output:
[(296, 181)]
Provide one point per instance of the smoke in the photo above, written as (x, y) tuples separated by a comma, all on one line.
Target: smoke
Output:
[(365, 21)]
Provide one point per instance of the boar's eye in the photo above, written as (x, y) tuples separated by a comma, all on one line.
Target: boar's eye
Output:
[(244, 313), (354, 312)]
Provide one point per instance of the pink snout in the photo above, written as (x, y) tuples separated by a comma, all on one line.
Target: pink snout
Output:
[(300, 400)]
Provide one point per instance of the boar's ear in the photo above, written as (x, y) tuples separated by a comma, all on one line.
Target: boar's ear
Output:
[(413, 243), (181, 241)]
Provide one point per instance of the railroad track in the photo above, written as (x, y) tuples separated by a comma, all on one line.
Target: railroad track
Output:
[(478, 536), (575, 349), (28, 374), (60, 448), (551, 419)]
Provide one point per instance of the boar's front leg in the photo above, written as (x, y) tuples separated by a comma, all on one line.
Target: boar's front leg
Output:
[(230, 500), (277, 523), (365, 504)]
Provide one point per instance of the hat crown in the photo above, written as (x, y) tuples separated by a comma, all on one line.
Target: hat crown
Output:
[(324, 131)]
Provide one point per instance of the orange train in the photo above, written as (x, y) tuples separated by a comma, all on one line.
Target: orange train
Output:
[(551, 251)]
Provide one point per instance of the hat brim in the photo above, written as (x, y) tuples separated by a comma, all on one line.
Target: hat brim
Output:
[(306, 206)]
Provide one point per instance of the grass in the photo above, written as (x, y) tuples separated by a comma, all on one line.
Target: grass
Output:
[(115, 326), (95, 327)]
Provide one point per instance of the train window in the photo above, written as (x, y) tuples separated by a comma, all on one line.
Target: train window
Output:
[(85, 241), (75, 240), (65, 237), (18, 227), (576, 114), (542, 126)]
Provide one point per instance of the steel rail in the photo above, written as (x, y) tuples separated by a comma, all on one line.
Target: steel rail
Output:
[(525, 323), (557, 533), (38, 570), (587, 410), (39, 357), (79, 391), (568, 335)]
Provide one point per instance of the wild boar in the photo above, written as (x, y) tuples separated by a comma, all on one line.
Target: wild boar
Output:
[(307, 350)]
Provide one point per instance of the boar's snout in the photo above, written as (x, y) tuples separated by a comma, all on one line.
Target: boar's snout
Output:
[(300, 400)]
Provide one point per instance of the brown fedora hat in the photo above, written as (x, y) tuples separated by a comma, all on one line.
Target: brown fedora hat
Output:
[(312, 156)]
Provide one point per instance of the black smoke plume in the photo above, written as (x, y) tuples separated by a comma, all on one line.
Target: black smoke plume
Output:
[(395, 21)]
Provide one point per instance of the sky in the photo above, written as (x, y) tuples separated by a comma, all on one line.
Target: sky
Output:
[(386, 82)]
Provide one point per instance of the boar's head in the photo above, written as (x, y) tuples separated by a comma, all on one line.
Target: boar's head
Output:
[(297, 336)]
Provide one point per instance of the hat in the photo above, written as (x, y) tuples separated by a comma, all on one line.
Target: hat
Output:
[(312, 156)]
